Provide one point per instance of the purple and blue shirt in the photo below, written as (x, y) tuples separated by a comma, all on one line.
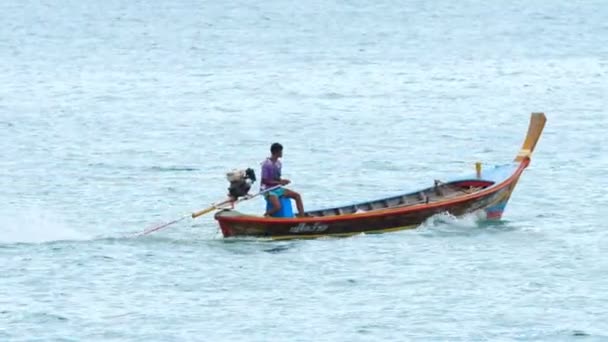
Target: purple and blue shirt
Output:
[(271, 171)]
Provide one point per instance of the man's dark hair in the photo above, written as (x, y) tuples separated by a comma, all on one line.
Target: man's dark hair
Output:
[(276, 147)]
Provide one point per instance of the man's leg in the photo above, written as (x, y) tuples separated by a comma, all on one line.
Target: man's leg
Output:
[(296, 196), (276, 205)]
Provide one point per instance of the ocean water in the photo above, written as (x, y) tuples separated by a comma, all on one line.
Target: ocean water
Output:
[(118, 115)]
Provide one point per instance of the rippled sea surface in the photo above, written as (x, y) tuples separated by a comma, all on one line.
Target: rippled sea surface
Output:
[(117, 115)]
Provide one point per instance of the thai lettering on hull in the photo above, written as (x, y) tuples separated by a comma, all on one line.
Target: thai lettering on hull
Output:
[(307, 228)]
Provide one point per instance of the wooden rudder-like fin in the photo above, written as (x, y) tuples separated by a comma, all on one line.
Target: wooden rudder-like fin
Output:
[(537, 124)]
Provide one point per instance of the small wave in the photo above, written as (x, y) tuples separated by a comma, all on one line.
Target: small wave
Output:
[(102, 165), (227, 110), (43, 317), (278, 249), (333, 96), (35, 317), (579, 333), (35, 226), (172, 168), (568, 335)]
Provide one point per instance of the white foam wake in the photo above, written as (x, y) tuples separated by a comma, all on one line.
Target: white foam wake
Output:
[(446, 223), (34, 226), (464, 221)]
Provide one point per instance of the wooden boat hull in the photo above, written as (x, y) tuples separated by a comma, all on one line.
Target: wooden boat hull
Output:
[(491, 191), (490, 203)]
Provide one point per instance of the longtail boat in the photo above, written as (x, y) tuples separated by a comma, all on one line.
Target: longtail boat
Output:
[(485, 191)]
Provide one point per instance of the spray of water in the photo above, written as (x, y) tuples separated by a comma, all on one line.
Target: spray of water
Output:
[(35, 226)]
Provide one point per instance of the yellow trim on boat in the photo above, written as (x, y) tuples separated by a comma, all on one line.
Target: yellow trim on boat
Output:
[(535, 129), (316, 236)]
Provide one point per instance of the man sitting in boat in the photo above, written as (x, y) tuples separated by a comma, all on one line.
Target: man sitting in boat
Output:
[(271, 177)]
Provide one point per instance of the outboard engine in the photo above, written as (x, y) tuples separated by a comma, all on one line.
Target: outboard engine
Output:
[(240, 182)]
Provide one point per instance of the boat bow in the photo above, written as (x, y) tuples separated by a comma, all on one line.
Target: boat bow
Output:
[(488, 190)]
